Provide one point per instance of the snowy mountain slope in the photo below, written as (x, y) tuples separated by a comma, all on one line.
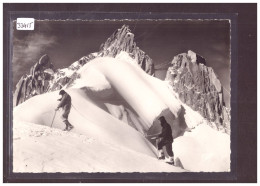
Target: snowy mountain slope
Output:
[(204, 149), (147, 95), (86, 117), (115, 102), (40, 149), (89, 114)]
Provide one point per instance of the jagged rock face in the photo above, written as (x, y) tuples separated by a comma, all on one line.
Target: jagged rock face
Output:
[(198, 87), (36, 82), (122, 40)]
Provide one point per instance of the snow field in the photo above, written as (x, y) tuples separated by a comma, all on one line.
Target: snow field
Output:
[(204, 150), (86, 117), (43, 149)]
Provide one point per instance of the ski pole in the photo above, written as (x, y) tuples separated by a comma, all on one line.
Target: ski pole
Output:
[(53, 118)]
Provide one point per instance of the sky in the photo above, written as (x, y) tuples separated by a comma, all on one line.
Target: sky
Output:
[(68, 41)]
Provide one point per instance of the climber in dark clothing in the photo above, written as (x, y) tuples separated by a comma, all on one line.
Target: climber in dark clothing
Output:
[(164, 139), (65, 104)]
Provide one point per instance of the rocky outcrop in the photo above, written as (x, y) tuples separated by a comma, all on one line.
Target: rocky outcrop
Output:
[(199, 87), (36, 82), (122, 40)]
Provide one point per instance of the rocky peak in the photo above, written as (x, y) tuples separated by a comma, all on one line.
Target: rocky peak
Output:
[(198, 87), (195, 58), (35, 82), (123, 40)]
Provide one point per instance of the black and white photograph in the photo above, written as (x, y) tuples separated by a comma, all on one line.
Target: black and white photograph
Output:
[(129, 92), (121, 96)]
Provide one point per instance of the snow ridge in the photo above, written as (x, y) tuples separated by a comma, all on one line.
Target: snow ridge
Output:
[(114, 103)]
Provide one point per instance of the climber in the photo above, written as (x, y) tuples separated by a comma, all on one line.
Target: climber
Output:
[(65, 104), (164, 139)]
